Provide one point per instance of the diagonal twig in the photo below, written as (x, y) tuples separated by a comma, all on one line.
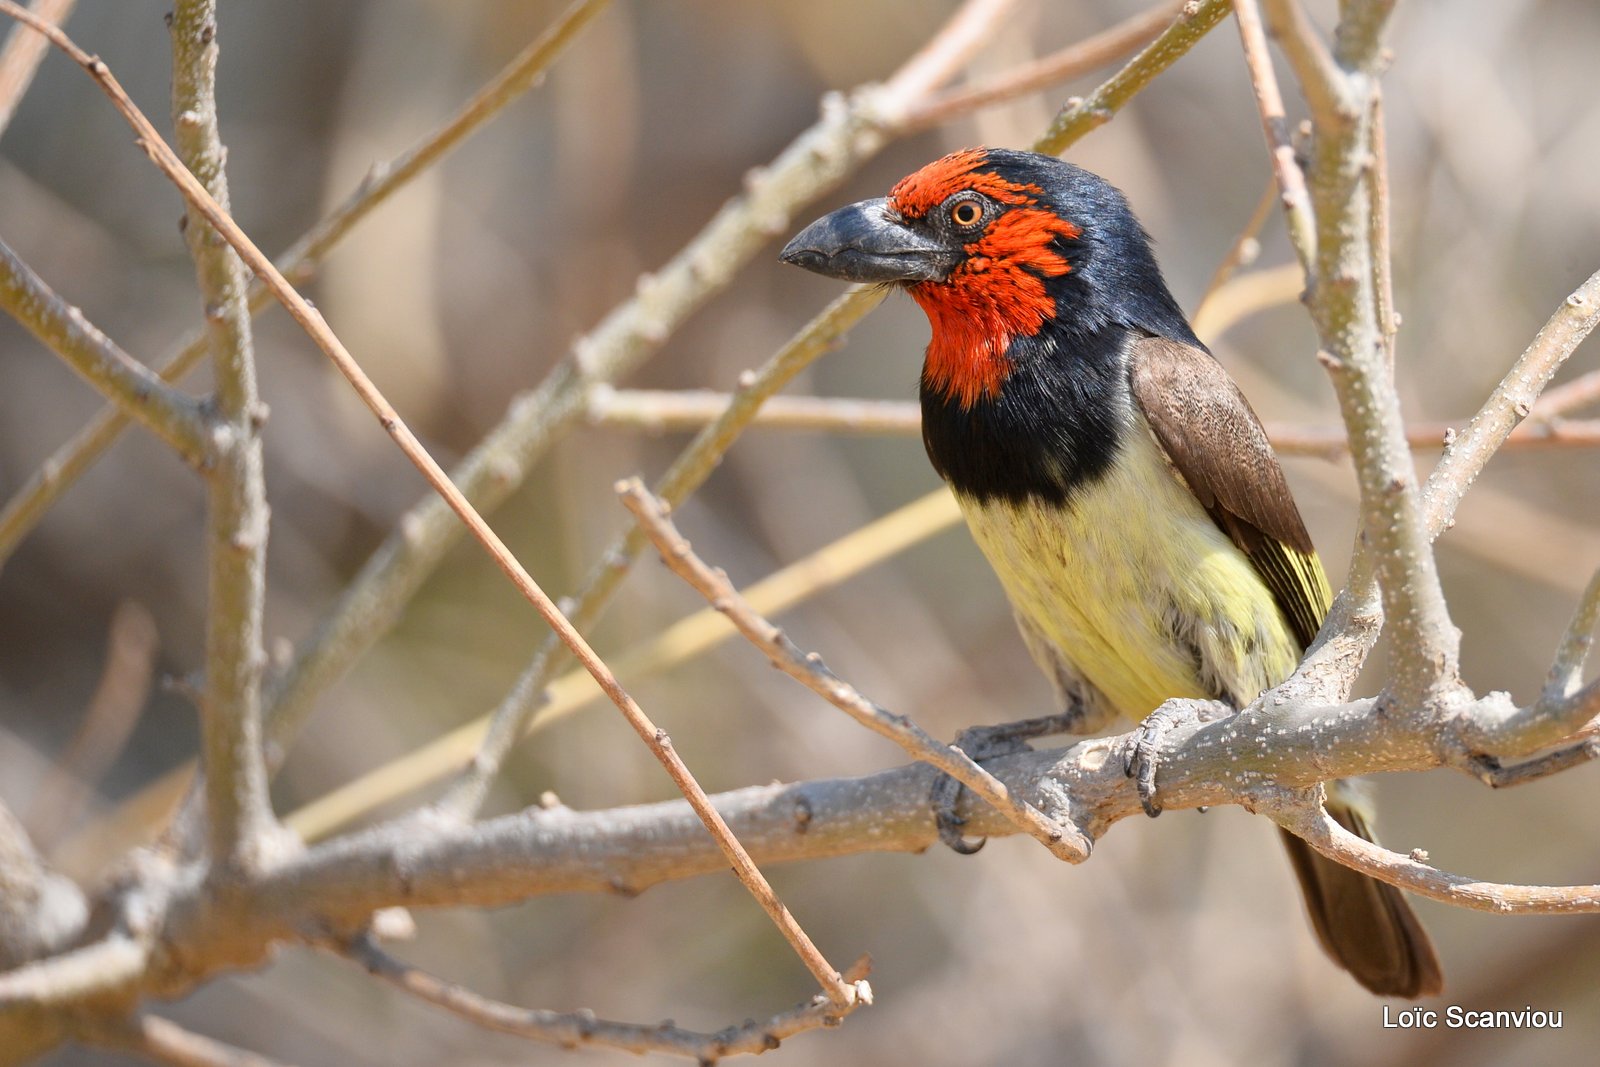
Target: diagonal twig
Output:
[(581, 1028), (1275, 125), (1078, 117), (1062, 839)]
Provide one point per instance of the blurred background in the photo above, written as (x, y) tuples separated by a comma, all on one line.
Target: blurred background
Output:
[(1182, 941)]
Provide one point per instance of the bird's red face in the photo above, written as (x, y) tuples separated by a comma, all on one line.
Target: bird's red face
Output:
[(974, 249)]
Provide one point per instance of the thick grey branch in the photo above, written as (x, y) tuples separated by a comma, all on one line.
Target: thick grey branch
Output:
[(238, 811)]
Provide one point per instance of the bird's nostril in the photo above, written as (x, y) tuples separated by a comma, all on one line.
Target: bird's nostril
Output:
[(808, 258)]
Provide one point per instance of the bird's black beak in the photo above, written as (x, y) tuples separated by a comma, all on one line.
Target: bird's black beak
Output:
[(867, 242)]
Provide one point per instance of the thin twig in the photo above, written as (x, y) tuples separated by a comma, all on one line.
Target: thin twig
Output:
[(311, 320), (238, 811), (1311, 823), (132, 386), (1497, 775), (668, 410), (1070, 62), (1275, 125), (582, 1028), (685, 639), (68, 463), (23, 52), (1062, 839), (1079, 116)]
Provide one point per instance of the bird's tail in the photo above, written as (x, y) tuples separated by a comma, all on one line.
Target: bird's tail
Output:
[(1364, 924)]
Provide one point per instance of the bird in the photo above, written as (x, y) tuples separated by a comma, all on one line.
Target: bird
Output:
[(1114, 476)]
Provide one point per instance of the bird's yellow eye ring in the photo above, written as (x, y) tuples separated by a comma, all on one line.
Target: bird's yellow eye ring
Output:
[(966, 213)]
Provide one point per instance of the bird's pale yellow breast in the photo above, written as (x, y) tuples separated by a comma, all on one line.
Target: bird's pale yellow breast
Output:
[(1135, 589)]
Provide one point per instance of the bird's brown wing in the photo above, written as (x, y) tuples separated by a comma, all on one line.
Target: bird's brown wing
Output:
[(1216, 443)]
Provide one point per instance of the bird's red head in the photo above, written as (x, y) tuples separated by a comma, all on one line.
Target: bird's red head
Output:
[(975, 249), (996, 292)]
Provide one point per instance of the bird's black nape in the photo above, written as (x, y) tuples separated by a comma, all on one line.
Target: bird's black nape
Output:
[(1114, 280)]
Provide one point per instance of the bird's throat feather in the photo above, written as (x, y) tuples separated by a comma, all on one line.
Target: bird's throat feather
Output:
[(997, 294)]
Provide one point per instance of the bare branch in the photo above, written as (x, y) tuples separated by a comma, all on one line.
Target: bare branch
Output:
[(1275, 125), (1058, 835), (1310, 822), (133, 387), (581, 1028), (1344, 307), (23, 52), (1194, 21), (663, 411), (667, 410), (1378, 218), (1497, 775), (238, 811)]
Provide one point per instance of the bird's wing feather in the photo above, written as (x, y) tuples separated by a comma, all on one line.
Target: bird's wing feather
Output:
[(1217, 445)]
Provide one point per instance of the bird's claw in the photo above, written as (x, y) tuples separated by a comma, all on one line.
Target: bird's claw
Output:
[(981, 743), (1143, 751)]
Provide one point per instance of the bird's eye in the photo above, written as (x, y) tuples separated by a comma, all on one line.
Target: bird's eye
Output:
[(966, 213)]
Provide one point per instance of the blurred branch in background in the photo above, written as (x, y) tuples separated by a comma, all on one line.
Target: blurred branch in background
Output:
[(22, 54)]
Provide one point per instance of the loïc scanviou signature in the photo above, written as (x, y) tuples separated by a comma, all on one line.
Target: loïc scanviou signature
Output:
[(1455, 1017)]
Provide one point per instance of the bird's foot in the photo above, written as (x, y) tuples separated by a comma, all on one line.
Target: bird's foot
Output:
[(982, 743), (1143, 753)]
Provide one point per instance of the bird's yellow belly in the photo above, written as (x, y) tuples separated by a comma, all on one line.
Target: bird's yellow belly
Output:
[(1135, 590)]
